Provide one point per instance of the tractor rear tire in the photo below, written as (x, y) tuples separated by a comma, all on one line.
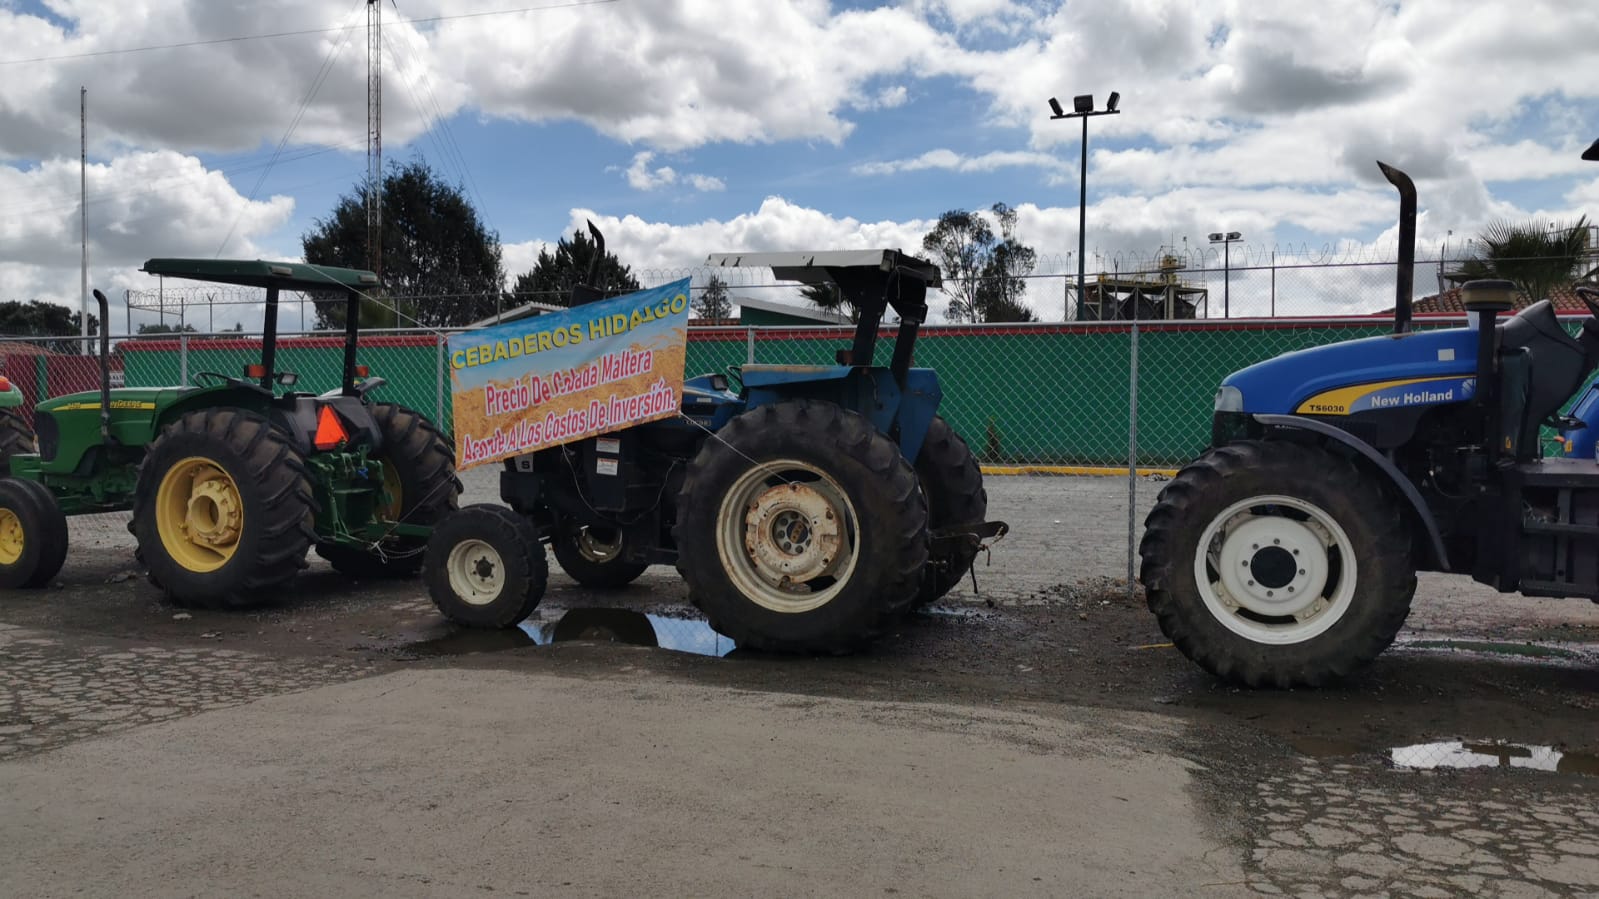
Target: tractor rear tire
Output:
[(1323, 597), (953, 483), (223, 509), (801, 529), (419, 465), (16, 438), (485, 567), (33, 535), (593, 558)]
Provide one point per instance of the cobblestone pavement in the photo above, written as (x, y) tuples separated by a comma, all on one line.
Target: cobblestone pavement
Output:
[(54, 691), (1326, 828)]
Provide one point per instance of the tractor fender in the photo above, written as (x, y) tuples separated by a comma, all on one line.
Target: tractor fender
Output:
[(1418, 506)]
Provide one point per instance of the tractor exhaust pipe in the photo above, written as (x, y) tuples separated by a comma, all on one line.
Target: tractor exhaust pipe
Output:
[(588, 291), (105, 366), (1407, 244)]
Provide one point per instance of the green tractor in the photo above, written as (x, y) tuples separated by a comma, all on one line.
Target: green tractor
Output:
[(233, 478)]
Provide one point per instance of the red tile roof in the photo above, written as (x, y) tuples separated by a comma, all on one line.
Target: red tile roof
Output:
[(1564, 298)]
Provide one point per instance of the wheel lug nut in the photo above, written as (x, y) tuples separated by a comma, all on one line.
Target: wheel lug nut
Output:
[(1301, 571)]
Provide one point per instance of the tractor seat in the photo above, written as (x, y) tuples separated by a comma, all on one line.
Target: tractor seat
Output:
[(1555, 365)]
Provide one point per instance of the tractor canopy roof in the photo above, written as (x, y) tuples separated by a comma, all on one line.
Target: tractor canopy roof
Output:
[(812, 267), (259, 273)]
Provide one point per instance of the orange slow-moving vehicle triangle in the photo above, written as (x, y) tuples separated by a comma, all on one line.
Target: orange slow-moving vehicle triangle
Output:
[(330, 432)]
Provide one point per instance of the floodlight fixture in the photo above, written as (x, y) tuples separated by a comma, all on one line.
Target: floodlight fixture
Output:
[(1226, 241), (1083, 108)]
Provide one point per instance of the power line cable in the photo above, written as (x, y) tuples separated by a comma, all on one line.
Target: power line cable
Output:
[(298, 33), (316, 84), (448, 145)]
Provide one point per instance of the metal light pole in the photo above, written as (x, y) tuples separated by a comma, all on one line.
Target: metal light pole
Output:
[(1226, 240), (1083, 108)]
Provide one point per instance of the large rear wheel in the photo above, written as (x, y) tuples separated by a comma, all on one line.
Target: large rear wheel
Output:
[(16, 438), (419, 480), (953, 483), (801, 529), (1277, 564), (592, 556), (223, 509)]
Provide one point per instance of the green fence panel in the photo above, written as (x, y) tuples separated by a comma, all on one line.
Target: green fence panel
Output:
[(1043, 395)]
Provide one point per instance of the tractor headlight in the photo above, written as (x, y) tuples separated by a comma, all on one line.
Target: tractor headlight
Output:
[(1229, 399)]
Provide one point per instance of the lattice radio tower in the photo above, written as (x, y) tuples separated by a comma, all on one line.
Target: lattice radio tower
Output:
[(374, 135)]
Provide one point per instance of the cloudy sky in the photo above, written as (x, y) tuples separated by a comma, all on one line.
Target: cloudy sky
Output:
[(686, 127)]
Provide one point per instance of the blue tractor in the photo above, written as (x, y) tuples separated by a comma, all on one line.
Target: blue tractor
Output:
[(1287, 554), (807, 510)]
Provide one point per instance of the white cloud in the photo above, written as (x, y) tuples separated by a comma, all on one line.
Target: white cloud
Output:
[(139, 206), (950, 160), (217, 97), (1263, 118), (641, 177)]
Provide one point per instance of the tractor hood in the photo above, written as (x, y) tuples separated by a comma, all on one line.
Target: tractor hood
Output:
[(1343, 378), (123, 399)]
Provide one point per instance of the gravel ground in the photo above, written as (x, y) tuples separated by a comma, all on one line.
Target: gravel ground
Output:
[(1306, 793)]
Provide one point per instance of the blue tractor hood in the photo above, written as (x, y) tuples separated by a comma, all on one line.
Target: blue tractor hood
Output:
[(1419, 367)]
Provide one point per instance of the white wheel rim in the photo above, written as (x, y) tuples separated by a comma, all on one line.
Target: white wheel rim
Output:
[(477, 574), (596, 550), (788, 536), (1275, 569)]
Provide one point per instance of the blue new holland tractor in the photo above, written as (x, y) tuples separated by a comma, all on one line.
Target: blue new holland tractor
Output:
[(1287, 554), (807, 510)]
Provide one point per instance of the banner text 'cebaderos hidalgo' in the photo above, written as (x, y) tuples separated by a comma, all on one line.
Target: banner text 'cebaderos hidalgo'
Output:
[(563, 376)]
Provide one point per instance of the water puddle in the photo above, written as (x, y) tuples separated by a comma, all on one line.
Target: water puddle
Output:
[(587, 624), (1571, 654), (627, 626), (1465, 754), (1460, 754)]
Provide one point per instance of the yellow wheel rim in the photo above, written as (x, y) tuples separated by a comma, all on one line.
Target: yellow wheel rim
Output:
[(11, 537), (391, 510), (199, 514)]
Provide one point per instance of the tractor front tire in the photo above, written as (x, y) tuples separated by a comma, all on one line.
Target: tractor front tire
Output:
[(1275, 564), (16, 438), (485, 567), (419, 474), (33, 534), (593, 558), (801, 529), (223, 509), (953, 484)]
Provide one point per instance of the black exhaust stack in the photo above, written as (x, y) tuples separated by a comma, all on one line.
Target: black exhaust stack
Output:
[(105, 366), (1407, 244), (588, 291)]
